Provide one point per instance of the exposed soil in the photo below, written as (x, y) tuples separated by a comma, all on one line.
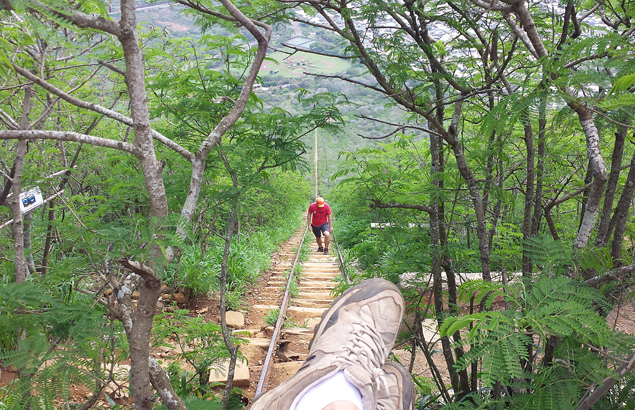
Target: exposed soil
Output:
[(7, 375)]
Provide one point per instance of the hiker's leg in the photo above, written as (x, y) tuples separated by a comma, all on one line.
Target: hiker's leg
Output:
[(318, 237)]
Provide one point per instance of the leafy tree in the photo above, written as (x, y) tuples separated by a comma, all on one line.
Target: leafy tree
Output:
[(508, 94), (61, 18)]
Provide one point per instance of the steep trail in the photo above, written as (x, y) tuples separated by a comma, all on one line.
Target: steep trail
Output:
[(316, 281)]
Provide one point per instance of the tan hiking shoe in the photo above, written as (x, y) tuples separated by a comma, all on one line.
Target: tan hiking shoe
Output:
[(355, 336), (399, 391)]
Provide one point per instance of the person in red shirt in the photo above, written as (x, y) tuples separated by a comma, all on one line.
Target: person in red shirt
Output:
[(320, 221)]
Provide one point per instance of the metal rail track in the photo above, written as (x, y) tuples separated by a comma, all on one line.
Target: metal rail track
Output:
[(283, 306), (273, 345), (339, 255)]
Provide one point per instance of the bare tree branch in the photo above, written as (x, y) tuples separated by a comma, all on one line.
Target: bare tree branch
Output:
[(306, 50), (146, 272), (112, 68), (520, 34), (100, 110), (348, 80), (383, 205), (607, 384), (82, 20), (614, 275), (68, 136), (10, 122)]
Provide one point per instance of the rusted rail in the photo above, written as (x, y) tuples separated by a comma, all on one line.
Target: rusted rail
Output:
[(339, 254), (276, 332)]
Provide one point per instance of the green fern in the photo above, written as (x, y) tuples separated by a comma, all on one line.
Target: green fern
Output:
[(552, 307), (46, 366), (50, 372), (622, 100), (479, 290), (623, 83), (553, 256)]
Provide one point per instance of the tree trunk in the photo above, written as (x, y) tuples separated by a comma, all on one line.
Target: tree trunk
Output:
[(459, 380), (588, 179), (475, 196), (534, 43), (149, 289), (233, 349), (162, 384), (158, 376), (135, 82), (540, 168), (599, 177), (228, 121), (7, 185), (18, 228), (529, 193), (28, 248), (616, 164), (618, 222), (139, 340)]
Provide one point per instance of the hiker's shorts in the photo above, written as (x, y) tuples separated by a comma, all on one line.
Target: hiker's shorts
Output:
[(317, 230)]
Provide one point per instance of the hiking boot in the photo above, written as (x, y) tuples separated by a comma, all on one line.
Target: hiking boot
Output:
[(355, 336), (399, 390), (326, 251), (320, 249)]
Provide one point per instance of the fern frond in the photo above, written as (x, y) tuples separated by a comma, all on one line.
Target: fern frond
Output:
[(612, 103), (623, 83), (479, 289), (552, 255)]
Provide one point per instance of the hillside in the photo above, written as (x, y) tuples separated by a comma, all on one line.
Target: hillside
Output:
[(285, 72)]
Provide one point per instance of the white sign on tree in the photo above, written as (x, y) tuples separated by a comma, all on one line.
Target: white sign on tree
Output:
[(31, 199)]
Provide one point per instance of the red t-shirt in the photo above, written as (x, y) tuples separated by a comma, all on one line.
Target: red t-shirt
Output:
[(319, 214)]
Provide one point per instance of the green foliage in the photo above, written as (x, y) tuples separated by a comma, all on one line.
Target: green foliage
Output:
[(599, 259), (195, 273), (271, 317), (553, 308), (191, 85), (53, 373), (213, 402), (305, 252), (34, 321), (552, 256), (199, 343), (623, 83)]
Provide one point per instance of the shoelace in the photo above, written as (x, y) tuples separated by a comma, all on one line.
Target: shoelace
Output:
[(365, 348)]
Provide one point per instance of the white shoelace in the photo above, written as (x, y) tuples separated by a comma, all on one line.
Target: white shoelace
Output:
[(365, 348)]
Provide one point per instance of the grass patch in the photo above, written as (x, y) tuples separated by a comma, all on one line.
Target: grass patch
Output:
[(306, 249), (290, 323), (272, 316), (300, 62)]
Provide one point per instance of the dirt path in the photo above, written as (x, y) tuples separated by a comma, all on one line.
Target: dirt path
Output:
[(316, 282)]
